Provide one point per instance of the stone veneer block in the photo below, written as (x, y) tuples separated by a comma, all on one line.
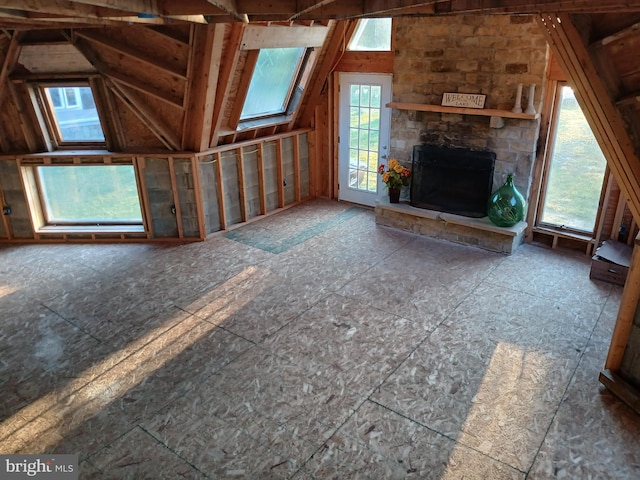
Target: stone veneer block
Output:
[(479, 232)]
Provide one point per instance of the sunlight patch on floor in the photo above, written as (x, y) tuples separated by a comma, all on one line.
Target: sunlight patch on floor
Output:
[(43, 423)]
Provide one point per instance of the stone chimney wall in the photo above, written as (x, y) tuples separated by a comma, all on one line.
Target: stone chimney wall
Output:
[(485, 54)]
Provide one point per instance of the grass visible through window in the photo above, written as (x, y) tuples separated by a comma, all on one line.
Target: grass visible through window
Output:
[(576, 172), (96, 194)]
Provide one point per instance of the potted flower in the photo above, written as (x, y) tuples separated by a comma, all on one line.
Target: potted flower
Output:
[(395, 177)]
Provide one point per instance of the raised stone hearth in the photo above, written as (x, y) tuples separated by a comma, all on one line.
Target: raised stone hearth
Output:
[(479, 232)]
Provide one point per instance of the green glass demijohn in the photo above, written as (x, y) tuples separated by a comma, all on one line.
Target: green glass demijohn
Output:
[(506, 205)]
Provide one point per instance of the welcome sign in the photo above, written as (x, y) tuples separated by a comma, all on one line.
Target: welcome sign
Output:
[(466, 100)]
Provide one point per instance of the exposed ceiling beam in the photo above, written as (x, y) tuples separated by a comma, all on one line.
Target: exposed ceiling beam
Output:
[(529, 6), (38, 13), (137, 6), (64, 8), (308, 6), (230, 7)]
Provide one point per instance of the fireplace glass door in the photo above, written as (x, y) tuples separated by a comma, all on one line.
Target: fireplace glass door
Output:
[(364, 135)]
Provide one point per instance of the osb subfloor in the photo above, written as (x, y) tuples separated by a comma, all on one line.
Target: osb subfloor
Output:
[(312, 345)]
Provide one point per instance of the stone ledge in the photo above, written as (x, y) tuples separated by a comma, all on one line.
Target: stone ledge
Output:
[(479, 232)]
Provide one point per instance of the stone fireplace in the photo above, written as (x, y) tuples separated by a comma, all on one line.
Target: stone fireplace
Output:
[(476, 54)]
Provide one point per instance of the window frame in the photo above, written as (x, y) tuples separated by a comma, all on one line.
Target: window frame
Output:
[(299, 78), (49, 119), (553, 111), (36, 199)]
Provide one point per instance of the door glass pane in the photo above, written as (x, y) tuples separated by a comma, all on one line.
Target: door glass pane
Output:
[(364, 137), (90, 194), (271, 82), (576, 171)]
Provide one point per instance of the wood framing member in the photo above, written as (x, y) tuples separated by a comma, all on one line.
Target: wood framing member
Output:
[(221, 205), (261, 186), (242, 194), (93, 58), (201, 91), (10, 60), (628, 307), (137, 6), (243, 88), (621, 388), (27, 179), (176, 198), (543, 156), (339, 39), (25, 119), (296, 166), (602, 115), (197, 185), (5, 220), (110, 120), (230, 7), (256, 37), (280, 172), (121, 48), (146, 116), (227, 67)]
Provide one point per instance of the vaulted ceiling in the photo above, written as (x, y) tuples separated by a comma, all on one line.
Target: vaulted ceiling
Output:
[(61, 13)]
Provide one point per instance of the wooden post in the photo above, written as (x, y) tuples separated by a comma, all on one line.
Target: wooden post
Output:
[(280, 171), (241, 185), (221, 206), (197, 186), (227, 67), (263, 190), (5, 220), (176, 198), (296, 165), (201, 90)]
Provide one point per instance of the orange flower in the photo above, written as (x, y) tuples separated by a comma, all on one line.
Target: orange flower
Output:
[(396, 176)]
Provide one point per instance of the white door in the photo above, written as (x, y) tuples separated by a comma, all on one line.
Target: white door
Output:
[(364, 135)]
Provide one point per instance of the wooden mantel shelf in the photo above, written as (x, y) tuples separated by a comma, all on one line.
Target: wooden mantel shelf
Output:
[(485, 112)]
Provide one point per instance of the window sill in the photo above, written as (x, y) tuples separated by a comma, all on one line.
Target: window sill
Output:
[(91, 229), (263, 122)]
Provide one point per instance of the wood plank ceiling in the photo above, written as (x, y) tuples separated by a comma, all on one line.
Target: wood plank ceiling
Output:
[(76, 13)]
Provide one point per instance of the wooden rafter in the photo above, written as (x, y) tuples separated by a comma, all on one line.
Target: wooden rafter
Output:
[(227, 67), (125, 49), (150, 7), (87, 12), (155, 124), (121, 78), (230, 7), (308, 6), (10, 60), (63, 8), (339, 39), (207, 55)]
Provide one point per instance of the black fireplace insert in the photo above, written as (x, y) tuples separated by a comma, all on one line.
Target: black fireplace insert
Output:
[(453, 180)]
